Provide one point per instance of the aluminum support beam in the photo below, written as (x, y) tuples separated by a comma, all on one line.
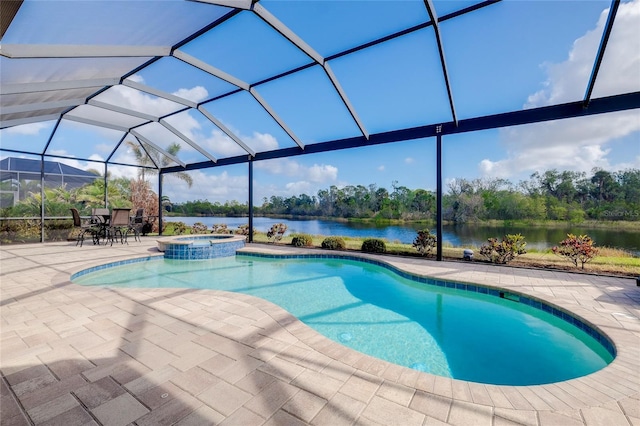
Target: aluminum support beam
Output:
[(160, 207), (613, 10), (275, 116), (240, 4), (159, 93), (201, 65), (122, 110), (96, 123), (157, 148), (182, 136), (439, 197), (345, 99), (226, 131), (250, 179), (28, 120), (46, 86), (287, 33), (443, 63), (556, 112), (43, 106), (20, 51)]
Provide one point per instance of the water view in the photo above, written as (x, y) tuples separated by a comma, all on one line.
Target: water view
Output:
[(456, 235)]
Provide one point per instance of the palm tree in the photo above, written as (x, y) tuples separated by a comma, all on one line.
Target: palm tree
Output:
[(166, 203), (148, 158), (150, 161)]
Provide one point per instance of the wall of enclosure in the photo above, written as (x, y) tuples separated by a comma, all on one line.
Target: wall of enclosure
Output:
[(350, 186)]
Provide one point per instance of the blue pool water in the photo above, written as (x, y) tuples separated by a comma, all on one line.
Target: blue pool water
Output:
[(469, 335)]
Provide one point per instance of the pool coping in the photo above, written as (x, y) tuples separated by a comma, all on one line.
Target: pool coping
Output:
[(610, 395), (188, 239)]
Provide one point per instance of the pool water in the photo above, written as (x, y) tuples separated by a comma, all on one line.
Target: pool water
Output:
[(443, 331)]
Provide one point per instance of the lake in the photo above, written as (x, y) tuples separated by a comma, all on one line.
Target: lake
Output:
[(456, 235)]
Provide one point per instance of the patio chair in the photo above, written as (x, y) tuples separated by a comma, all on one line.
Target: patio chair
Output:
[(136, 223), (101, 218), (82, 226), (119, 225)]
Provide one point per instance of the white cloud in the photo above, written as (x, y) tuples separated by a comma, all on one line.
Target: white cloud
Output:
[(305, 179), (322, 173), (579, 143), (261, 141), (318, 173), (409, 160), (195, 94), (28, 129), (381, 168), (136, 100), (301, 187), (137, 78), (207, 186)]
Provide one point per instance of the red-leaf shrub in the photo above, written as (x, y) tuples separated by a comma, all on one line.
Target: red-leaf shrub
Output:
[(579, 248)]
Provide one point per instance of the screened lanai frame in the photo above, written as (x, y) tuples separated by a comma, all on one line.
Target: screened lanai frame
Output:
[(58, 98)]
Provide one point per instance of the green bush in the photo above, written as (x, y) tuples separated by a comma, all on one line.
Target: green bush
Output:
[(503, 251), (373, 245), (20, 231), (333, 243), (174, 228), (302, 240)]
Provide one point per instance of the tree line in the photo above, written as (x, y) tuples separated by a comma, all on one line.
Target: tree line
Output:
[(551, 195)]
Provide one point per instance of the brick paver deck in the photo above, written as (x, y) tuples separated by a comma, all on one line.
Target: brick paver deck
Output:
[(81, 355)]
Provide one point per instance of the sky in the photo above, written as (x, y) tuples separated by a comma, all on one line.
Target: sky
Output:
[(509, 56)]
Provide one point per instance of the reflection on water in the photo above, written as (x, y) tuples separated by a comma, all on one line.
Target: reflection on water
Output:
[(456, 235)]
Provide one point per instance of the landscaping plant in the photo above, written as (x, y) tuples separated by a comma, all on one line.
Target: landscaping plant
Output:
[(302, 240), (333, 243), (276, 232), (373, 245), (502, 252), (220, 228), (579, 248), (425, 242), (198, 228)]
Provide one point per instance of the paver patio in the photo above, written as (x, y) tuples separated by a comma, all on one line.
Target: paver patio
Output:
[(84, 355)]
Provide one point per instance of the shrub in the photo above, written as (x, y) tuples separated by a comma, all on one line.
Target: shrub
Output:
[(302, 240), (425, 242), (373, 245), (276, 232), (221, 228), (175, 228), (579, 248), (333, 243), (503, 251), (198, 228), (244, 230)]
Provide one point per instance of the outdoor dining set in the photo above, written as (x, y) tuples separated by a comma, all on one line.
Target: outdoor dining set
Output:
[(108, 226)]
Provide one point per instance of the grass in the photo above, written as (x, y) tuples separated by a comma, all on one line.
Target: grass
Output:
[(609, 261)]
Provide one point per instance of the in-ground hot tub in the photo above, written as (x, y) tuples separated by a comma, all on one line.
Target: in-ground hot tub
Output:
[(200, 246)]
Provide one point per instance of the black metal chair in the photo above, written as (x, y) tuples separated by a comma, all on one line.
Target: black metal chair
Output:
[(136, 223), (83, 227)]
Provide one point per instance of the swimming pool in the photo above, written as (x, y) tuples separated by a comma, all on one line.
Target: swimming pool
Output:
[(463, 331)]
